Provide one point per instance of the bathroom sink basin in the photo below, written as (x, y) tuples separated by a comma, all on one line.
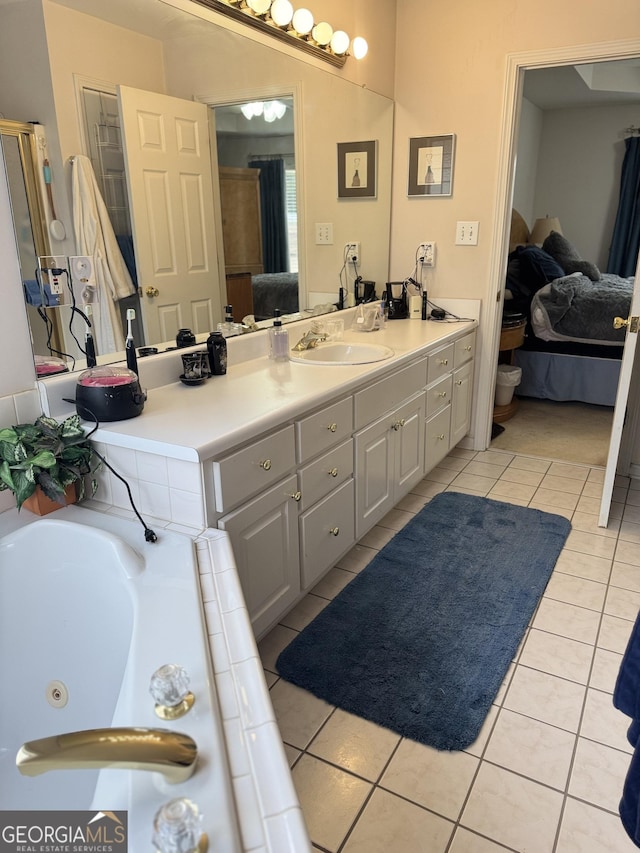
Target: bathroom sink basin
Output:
[(336, 352)]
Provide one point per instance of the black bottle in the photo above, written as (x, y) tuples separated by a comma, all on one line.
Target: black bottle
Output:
[(217, 351), (185, 338), (425, 304)]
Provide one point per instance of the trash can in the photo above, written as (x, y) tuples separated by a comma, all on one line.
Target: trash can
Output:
[(507, 380)]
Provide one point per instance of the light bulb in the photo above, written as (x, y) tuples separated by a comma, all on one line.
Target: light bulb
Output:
[(359, 47), (322, 33), (340, 42), (247, 110), (274, 110), (260, 7), (281, 12), (302, 21)]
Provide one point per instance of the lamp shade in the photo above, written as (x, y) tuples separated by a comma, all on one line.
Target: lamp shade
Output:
[(542, 228)]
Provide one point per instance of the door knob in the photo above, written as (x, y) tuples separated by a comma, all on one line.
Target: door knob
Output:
[(632, 322), (152, 291)]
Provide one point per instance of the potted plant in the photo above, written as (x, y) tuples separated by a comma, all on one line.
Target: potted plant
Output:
[(48, 456)]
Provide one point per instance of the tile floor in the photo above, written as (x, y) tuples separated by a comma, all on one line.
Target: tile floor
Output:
[(547, 770)]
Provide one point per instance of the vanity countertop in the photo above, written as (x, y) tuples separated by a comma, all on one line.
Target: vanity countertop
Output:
[(256, 395)]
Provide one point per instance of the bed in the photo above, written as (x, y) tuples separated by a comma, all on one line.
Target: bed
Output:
[(571, 350), (261, 294)]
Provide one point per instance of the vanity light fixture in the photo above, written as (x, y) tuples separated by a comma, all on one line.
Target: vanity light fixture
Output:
[(296, 27)]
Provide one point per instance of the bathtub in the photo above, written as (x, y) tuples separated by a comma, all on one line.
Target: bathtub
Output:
[(88, 612)]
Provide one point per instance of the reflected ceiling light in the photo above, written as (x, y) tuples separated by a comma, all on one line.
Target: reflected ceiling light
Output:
[(339, 42), (255, 108), (359, 47), (281, 12), (270, 110), (322, 33), (302, 22), (273, 110), (277, 19)]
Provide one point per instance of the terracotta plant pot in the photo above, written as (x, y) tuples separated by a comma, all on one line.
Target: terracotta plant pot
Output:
[(40, 504)]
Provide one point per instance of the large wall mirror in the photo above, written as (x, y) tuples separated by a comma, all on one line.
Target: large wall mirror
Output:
[(171, 52)]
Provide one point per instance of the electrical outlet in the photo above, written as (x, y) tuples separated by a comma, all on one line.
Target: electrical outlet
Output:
[(324, 233), (427, 254), (352, 253), (467, 233)]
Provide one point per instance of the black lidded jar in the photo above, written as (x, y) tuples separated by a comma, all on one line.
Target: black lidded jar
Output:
[(217, 351), (185, 338)]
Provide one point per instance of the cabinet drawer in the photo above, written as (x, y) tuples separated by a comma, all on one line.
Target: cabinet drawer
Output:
[(323, 475), (439, 394), (324, 429), (464, 349), (440, 362), (371, 403), (250, 470), (327, 531), (437, 441)]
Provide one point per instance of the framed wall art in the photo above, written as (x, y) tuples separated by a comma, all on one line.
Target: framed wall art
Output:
[(431, 165), (357, 169)]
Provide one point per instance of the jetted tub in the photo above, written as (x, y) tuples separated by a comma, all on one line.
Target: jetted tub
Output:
[(88, 612)]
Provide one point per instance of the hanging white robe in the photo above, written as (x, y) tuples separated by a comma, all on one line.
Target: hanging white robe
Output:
[(96, 239)]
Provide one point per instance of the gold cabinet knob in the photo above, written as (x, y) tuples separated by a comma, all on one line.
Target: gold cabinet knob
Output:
[(620, 322), (152, 291), (334, 531), (398, 424), (441, 437), (333, 472), (444, 361), (442, 394), (332, 427), (467, 348), (297, 496), (265, 464)]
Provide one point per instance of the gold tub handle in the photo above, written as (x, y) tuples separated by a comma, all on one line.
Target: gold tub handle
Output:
[(161, 750)]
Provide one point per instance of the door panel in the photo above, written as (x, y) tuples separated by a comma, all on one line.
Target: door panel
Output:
[(168, 163)]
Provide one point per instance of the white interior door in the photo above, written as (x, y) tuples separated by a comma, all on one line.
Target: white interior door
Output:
[(627, 374), (168, 163)]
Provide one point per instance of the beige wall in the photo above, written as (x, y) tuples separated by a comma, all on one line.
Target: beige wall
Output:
[(450, 78)]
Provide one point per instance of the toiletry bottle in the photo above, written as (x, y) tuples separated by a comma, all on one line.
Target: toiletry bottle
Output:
[(278, 339), (89, 344), (425, 303), (217, 352), (228, 327)]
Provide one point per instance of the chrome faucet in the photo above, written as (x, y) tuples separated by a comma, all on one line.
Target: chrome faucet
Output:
[(171, 753), (309, 340)]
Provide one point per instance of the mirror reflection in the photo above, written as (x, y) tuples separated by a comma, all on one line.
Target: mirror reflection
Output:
[(192, 60)]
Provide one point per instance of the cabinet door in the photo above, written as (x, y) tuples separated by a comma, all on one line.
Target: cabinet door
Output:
[(264, 538), (437, 438), (409, 461), (326, 533), (374, 456), (461, 403)]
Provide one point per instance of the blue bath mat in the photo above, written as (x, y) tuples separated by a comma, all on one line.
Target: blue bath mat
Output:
[(421, 639)]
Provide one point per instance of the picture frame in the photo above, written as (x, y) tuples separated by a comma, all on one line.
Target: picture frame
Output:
[(357, 169), (431, 165)]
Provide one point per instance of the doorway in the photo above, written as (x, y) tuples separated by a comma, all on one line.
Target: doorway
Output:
[(529, 74)]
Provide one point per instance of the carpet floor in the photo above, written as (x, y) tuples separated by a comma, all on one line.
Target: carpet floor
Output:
[(420, 640), (574, 432)]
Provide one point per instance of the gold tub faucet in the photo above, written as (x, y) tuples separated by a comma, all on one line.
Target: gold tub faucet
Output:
[(161, 750)]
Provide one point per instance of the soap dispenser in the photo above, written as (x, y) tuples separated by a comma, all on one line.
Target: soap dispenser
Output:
[(278, 339)]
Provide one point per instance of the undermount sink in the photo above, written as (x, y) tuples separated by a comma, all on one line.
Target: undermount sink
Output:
[(335, 352)]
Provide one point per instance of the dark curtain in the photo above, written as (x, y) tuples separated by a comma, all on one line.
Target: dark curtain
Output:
[(273, 212), (625, 243)]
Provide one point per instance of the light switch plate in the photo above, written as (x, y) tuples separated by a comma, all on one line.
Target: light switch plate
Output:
[(467, 233), (324, 233)]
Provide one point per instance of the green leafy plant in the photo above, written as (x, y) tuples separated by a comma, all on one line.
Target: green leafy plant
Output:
[(49, 454)]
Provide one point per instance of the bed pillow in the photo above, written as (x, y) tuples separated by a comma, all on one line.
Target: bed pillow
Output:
[(566, 255)]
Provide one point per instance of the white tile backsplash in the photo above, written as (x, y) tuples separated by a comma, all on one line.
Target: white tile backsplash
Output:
[(7, 412), (27, 406)]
